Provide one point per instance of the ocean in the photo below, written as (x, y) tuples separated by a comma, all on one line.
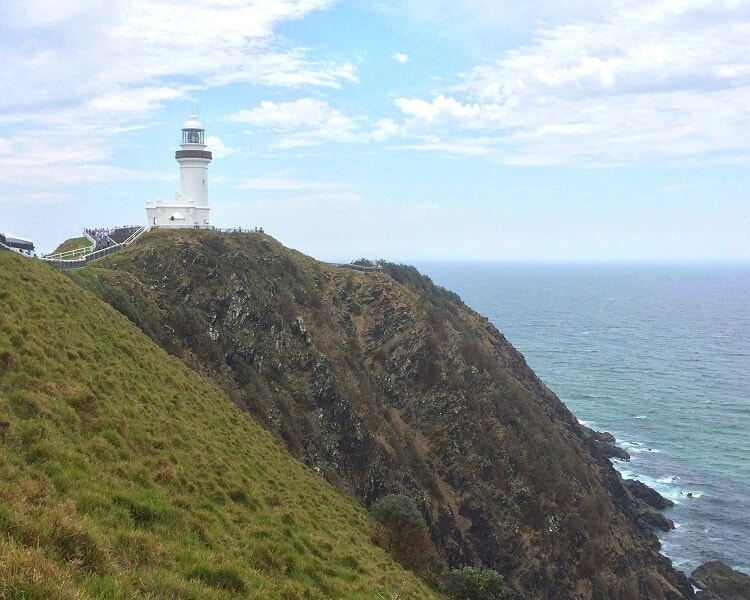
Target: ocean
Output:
[(658, 355)]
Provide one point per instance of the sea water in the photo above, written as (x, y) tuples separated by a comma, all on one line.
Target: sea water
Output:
[(658, 355)]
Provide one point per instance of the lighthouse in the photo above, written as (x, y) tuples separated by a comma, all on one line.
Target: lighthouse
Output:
[(190, 205)]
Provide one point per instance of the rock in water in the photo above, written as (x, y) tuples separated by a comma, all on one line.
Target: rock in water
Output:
[(718, 581), (599, 436), (612, 451), (649, 495)]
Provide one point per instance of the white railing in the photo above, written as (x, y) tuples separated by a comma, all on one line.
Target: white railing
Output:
[(73, 254), (212, 228), (360, 268), (76, 263), (134, 236)]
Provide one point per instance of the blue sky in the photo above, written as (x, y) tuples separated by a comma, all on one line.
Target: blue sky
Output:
[(411, 130)]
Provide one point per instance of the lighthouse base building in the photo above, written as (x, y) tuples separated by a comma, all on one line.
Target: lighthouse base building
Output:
[(189, 209)]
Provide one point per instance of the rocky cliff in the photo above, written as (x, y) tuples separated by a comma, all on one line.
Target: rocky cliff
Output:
[(385, 383)]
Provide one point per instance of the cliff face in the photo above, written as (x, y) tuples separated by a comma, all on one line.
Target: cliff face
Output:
[(384, 383)]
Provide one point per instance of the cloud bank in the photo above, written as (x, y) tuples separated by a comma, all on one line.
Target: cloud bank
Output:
[(647, 81)]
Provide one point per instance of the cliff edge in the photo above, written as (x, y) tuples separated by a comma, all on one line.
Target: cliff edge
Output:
[(387, 384)]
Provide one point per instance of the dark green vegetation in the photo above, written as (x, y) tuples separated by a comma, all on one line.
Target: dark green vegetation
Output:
[(124, 474), (476, 584), (401, 529), (388, 385)]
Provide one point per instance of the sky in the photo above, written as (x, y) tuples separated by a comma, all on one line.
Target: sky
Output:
[(408, 130)]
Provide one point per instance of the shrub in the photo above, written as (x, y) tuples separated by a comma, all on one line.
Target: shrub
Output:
[(477, 584), (363, 262), (401, 529), (400, 516)]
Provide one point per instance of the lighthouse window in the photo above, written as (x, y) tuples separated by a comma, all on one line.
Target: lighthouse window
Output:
[(192, 136)]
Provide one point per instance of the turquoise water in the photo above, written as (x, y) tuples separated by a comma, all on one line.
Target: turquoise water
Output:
[(659, 355)]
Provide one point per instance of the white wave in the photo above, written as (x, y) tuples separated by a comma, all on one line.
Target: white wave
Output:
[(691, 494), (632, 444), (666, 486), (668, 479), (640, 417), (635, 447)]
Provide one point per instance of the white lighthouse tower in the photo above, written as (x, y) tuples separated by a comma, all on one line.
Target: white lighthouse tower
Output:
[(190, 206)]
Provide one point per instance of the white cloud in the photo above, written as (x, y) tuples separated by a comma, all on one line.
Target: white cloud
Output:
[(37, 197), (92, 53), (82, 51), (304, 122), (285, 181), (456, 147), (217, 147), (669, 79), (84, 70), (489, 26), (387, 128), (42, 159), (400, 57)]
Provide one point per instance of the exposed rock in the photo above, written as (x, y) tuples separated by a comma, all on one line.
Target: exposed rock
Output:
[(718, 581), (604, 441), (599, 436), (655, 519), (386, 384), (649, 495), (612, 451)]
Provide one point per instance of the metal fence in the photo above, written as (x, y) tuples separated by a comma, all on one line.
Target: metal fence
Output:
[(212, 228), (360, 268), (62, 264)]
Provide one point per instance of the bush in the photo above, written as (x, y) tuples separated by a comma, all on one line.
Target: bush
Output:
[(477, 584), (401, 529)]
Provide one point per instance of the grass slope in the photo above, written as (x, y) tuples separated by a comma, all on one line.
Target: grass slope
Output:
[(123, 474), (72, 244)]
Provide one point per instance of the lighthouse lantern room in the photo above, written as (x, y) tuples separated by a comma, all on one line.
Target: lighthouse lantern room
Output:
[(190, 205)]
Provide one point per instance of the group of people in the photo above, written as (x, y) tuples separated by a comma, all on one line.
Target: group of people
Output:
[(101, 236), (240, 230)]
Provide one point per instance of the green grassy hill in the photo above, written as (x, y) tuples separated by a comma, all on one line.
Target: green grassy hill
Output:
[(72, 244), (123, 474)]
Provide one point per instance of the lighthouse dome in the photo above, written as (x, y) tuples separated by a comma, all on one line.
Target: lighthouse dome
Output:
[(192, 123)]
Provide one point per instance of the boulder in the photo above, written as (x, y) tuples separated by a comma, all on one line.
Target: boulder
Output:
[(599, 436), (612, 451), (655, 520), (649, 495), (718, 581)]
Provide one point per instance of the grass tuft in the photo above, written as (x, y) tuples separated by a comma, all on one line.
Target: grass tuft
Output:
[(225, 578)]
